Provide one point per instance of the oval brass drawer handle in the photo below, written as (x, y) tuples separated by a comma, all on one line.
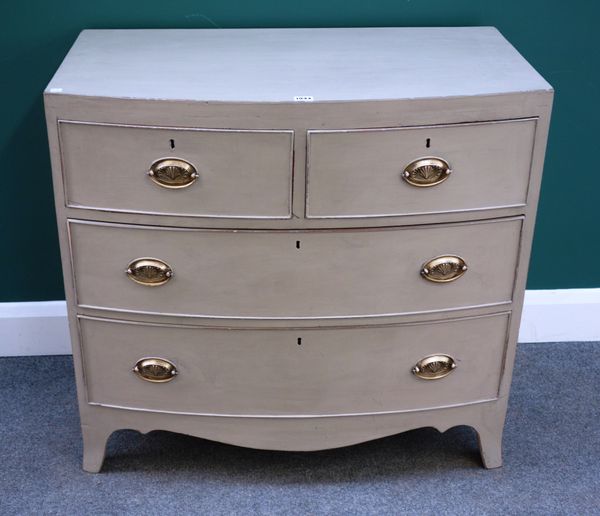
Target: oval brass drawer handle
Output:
[(434, 367), (173, 173), (427, 171), (443, 269), (150, 272), (157, 370)]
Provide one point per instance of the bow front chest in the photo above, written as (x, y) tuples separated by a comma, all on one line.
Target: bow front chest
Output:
[(295, 239)]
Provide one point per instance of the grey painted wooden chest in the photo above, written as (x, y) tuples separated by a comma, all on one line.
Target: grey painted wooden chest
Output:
[(295, 239)]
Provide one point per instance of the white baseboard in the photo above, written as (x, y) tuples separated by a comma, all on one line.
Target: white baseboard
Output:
[(567, 315), (34, 328), (40, 328)]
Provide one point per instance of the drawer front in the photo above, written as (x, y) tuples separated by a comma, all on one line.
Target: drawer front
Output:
[(300, 274), (244, 174), (258, 372), (359, 173)]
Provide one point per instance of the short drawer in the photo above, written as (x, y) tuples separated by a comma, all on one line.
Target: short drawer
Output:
[(293, 274), (287, 372), (195, 172), (361, 173)]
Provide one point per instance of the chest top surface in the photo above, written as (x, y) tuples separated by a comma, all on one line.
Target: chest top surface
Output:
[(278, 65)]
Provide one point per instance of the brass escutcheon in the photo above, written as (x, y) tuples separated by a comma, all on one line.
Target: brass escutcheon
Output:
[(443, 269), (428, 171), (150, 272), (434, 367), (173, 173), (157, 370)]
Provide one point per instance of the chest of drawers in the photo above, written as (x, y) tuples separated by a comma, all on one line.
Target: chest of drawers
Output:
[(295, 239)]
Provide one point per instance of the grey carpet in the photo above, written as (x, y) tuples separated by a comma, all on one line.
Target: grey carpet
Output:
[(552, 456)]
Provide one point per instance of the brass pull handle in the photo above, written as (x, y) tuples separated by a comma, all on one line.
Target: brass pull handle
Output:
[(150, 272), (434, 367), (427, 171), (443, 269), (157, 370), (173, 173)]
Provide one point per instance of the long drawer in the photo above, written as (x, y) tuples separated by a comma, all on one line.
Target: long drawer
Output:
[(361, 173), (293, 274), (279, 372), (195, 172)]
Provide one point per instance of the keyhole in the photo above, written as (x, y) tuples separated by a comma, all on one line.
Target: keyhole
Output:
[(299, 341), (172, 143), (427, 142), (297, 244)]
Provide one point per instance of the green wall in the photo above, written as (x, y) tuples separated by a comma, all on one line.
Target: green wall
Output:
[(558, 38)]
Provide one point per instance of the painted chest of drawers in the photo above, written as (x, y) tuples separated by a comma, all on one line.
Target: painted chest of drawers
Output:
[(295, 239)]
